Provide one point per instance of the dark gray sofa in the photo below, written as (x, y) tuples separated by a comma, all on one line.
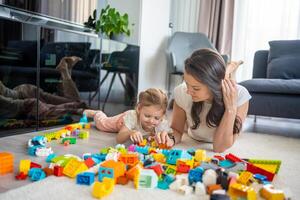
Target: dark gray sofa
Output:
[(275, 87)]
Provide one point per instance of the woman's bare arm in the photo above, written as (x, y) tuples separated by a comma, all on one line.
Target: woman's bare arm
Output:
[(178, 122)]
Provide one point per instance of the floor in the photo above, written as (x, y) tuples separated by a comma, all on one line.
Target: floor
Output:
[(249, 145)]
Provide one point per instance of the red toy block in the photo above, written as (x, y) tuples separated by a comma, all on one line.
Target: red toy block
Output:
[(219, 157), (257, 170), (157, 169), (58, 171), (233, 158), (21, 176), (35, 165), (89, 162)]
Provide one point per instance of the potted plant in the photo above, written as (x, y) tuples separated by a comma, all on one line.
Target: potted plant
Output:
[(110, 23)]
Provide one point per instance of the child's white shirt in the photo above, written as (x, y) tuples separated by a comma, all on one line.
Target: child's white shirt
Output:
[(131, 122)]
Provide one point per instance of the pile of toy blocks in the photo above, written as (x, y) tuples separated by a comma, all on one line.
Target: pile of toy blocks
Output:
[(184, 171)]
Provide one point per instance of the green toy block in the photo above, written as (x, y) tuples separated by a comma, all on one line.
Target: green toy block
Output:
[(71, 140)]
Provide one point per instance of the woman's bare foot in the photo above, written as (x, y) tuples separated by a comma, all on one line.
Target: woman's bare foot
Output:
[(62, 67), (90, 113), (232, 67), (72, 60)]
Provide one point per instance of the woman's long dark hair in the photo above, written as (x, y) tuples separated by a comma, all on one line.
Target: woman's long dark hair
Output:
[(208, 67)]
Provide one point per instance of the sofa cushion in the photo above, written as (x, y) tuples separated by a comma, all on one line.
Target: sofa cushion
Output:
[(275, 86), (284, 59)]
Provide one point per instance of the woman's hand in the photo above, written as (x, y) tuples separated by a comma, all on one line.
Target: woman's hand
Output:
[(136, 137), (163, 138), (230, 95)]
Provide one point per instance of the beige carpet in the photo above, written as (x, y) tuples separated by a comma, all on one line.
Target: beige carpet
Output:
[(248, 145)]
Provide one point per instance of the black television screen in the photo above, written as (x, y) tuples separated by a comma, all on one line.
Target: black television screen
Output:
[(76, 11)]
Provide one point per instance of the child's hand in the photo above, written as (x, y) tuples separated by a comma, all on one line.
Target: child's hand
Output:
[(163, 138), (136, 137)]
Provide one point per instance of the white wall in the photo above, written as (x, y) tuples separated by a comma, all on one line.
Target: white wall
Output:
[(155, 32)]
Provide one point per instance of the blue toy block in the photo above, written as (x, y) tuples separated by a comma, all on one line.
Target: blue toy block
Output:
[(83, 119), (191, 151), (99, 157), (31, 150), (39, 140), (36, 174), (163, 185), (176, 154), (226, 164), (195, 175), (166, 152), (86, 178), (105, 172), (143, 150), (50, 157), (260, 177)]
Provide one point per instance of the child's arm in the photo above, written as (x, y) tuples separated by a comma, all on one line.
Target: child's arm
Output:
[(126, 134)]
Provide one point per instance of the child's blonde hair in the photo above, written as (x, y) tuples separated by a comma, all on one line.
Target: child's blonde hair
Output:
[(153, 97)]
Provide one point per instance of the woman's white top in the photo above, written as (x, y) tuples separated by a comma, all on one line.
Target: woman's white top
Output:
[(184, 101)]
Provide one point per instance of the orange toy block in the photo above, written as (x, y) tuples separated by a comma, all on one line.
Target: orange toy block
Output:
[(212, 188), (6, 163), (130, 159), (24, 166), (74, 167), (119, 167), (133, 171), (122, 180)]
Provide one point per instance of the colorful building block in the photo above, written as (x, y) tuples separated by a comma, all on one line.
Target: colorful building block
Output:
[(58, 170), (112, 169), (147, 179), (74, 167), (104, 188), (86, 178), (84, 134), (24, 166), (200, 155), (6, 163), (272, 166), (269, 193)]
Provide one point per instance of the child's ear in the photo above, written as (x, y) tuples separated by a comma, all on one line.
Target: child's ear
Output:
[(138, 108)]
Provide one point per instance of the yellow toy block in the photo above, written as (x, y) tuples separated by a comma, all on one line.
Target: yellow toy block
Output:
[(272, 166), (74, 167), (237, 190), (245, 178), (269, 193), (200, 155), (143, 143), (136, 179), (104, 188), (159, 157), (24, 166), (6, 162)]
